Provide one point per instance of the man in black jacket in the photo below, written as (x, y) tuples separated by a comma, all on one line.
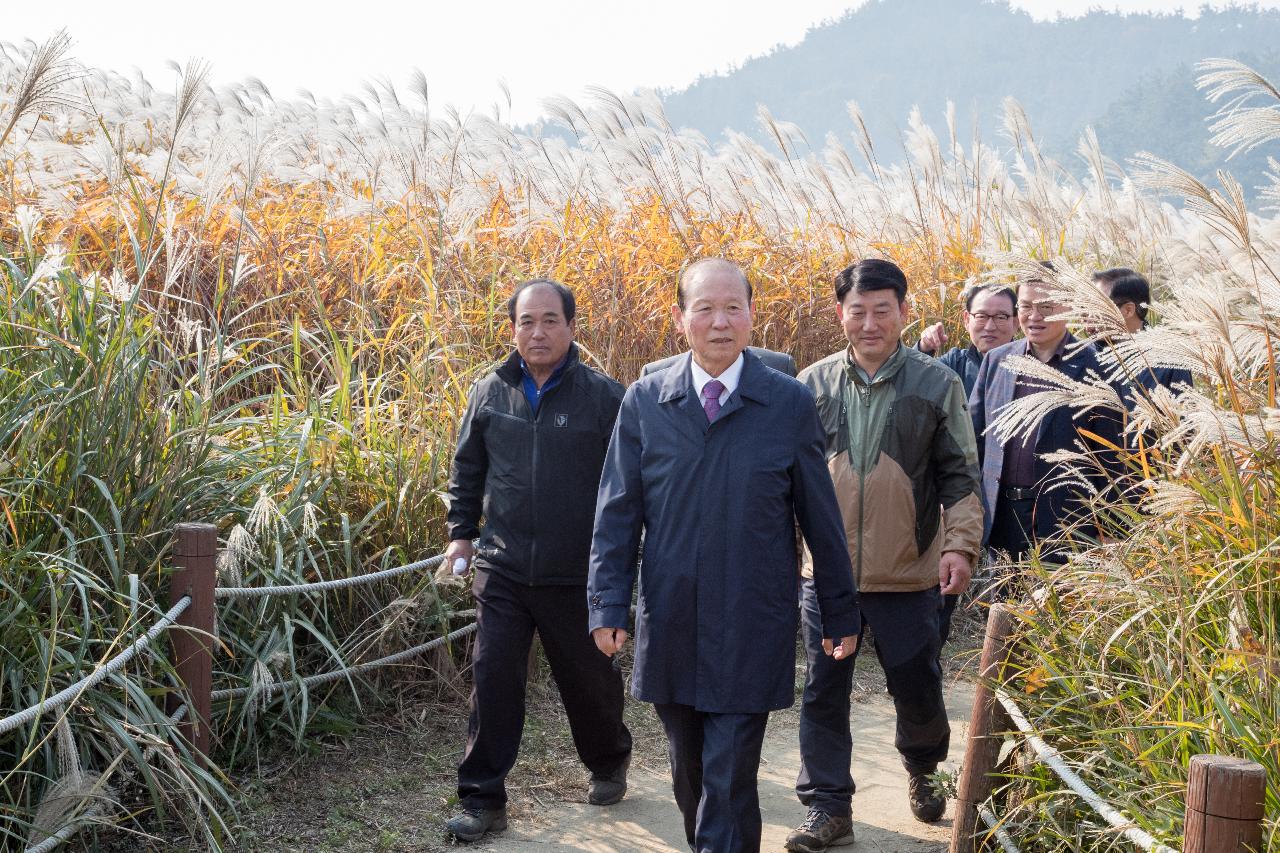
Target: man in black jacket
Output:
[(530, 451), (1131, 293)]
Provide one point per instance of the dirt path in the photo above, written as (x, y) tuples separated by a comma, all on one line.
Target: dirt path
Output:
[(647, 820)]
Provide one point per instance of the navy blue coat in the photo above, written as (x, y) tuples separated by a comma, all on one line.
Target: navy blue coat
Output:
[(1058, 499), (717, 503)]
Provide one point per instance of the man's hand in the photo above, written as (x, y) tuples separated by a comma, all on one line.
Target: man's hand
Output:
[(459, 548), (609, 640), (848, 645), (954, 571), (933, 339)]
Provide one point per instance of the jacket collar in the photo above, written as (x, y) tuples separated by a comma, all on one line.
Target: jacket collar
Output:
[(887, 371), (511, 372), (677, 381), (1073, 356)]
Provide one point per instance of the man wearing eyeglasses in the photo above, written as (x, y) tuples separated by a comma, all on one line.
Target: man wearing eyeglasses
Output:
[(990, 318), (1026, 497)]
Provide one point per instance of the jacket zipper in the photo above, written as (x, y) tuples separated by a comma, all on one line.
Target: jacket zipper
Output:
[(864, 394), (537, 419)]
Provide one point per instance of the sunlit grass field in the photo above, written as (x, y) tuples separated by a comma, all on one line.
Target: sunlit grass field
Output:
[(266, 314)]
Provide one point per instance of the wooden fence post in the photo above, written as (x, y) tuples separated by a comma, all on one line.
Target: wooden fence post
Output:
[(195, 550), (1224, 805), (983, 749)]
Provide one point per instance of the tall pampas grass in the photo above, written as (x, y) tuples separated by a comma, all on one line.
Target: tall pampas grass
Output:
[(264, 312)]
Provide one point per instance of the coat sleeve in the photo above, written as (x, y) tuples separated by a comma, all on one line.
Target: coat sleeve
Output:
[(468, 473), (978, 406), (1106, 428), (818, 514), (609, 411), (615, 540), (955, 465)]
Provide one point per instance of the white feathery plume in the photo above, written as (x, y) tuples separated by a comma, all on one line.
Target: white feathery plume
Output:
[(1170, 498), (1022, 416), (28, 219), (242, 547), (264, 517)]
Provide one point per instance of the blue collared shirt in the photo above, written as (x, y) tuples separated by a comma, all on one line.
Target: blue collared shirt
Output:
[(532, 392)]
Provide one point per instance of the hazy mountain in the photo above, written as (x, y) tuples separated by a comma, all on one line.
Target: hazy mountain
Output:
[(1129, 75)]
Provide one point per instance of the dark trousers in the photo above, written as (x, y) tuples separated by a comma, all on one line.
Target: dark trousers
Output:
[(906, 631), (591, 689), (948, 610), (1013, 527), (715, 759)]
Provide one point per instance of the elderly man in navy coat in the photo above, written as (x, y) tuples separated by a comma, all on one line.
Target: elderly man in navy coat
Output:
[(715, 459)]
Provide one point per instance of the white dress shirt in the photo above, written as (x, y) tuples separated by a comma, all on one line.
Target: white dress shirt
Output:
[(729, 379)]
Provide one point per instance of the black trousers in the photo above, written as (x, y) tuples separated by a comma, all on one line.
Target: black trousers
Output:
[(1013, 527), (907, 644), (715, 759), (591, 689)]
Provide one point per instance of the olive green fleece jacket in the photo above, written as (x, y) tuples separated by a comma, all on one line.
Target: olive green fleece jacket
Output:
[(904, 461)]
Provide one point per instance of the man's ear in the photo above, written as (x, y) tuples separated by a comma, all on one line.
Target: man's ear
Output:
[(1128, 310), (677, 316)]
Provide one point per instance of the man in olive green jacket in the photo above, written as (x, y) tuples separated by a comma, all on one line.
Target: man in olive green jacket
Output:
[(902, 455)]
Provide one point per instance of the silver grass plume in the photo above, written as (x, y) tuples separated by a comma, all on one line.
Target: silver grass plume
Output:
[(1021, 417), (42, 83), (73, 796), (1237, 125)]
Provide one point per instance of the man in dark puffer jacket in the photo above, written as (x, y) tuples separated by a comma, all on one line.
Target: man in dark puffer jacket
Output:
[(530, 450)]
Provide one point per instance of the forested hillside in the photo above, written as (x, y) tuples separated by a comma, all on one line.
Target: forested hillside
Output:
[(1131, 76)]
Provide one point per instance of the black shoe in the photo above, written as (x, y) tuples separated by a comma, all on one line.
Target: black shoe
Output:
[(607, 789), (820, 831), (470, 824), (927, 805)]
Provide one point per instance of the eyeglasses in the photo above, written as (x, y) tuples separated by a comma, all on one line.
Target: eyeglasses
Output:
[(982, 317), (1043, 308)]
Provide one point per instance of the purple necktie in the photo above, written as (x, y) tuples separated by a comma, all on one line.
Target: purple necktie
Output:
[(711, 398)]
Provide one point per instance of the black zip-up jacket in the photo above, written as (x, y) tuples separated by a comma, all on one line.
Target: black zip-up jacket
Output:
[(532, 479)]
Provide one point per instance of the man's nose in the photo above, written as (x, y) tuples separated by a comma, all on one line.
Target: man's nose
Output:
[(719, 319)]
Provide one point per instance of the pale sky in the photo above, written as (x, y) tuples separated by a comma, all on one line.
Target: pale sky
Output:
[(539, 47)]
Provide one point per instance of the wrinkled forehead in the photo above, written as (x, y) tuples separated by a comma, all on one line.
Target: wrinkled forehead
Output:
[(715, 284)]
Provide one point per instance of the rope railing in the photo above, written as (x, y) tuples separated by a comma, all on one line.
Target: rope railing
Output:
[(100, 672), (271, 688), (224, 592), (1225, 796), (1002, 835), (1054, 760), (64, 833), (193, 596)]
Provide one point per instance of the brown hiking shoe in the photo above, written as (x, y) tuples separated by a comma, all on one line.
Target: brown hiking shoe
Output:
[(820, 831), (927, 805)]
